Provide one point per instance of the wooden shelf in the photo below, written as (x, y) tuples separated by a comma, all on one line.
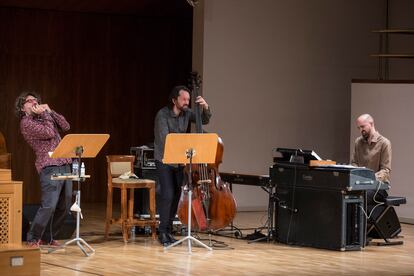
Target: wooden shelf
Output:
[(393, 55), (395, 31), (384, 55)]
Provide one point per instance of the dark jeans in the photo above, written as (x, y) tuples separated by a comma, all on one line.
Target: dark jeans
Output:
[(55, 204), (170, 180)]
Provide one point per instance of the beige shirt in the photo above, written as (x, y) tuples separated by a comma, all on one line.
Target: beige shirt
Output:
[(375, 156)]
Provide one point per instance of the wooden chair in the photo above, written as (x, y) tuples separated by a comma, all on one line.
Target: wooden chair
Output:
[(117, 165), (5, 161), (3, 147)]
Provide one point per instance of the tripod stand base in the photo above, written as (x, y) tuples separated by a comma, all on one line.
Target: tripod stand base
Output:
[(78, 241), (188, 238), (81, 241)]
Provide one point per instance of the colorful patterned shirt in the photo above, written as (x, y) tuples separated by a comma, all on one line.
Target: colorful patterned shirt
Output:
[(41, 132)]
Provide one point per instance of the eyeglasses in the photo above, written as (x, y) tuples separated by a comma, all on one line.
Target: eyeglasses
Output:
[(31, 100)]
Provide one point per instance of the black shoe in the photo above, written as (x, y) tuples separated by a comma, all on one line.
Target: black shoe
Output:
[(164, 239), (171, 238)]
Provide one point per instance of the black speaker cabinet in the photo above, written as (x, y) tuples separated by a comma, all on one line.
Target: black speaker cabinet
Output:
[(384, 223), (320, 218), (66, 230), (141, 196)]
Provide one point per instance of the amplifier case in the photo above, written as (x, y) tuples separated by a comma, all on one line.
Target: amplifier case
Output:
[(141, 196), (320, 218), (144, 157), (144, 167), (386, 221)]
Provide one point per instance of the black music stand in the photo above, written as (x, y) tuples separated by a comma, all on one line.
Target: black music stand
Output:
[(78, 146), (184, 148)]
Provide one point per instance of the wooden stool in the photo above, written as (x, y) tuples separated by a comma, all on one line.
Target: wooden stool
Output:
[(117, 165)]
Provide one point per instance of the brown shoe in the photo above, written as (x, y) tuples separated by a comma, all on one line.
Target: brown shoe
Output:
[(55, 243), (34, 243)]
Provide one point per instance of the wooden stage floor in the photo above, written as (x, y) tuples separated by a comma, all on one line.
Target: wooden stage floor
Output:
[(143, 256)]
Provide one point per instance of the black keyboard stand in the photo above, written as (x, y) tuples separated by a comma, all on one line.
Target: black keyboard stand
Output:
[(271, 214)]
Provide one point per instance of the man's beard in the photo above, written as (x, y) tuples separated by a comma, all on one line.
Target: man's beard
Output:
[(183, 108), (365, 135)]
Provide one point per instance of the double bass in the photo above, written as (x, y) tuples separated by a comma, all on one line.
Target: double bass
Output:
[(213, 204)]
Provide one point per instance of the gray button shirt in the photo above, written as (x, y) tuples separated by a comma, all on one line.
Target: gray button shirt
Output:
[(167, 122)]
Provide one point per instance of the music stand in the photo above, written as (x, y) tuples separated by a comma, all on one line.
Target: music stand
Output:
[(185, 148), (78, 146)]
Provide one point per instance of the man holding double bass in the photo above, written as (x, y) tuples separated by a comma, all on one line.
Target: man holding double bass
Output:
[(173, 118)]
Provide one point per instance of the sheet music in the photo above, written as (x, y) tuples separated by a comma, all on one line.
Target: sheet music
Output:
[(314, 154)]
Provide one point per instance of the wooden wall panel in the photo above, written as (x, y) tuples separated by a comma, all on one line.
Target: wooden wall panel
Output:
[(105, 73)]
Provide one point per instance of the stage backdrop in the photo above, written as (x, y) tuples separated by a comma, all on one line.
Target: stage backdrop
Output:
[(391, 105), (106, 73)]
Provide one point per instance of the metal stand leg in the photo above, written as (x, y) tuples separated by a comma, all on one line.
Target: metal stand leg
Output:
[(79, 241), (270, 216), (189, 238)]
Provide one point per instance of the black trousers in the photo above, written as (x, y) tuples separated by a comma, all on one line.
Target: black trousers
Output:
[(170, 179), (380, 197), (55, 205)]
